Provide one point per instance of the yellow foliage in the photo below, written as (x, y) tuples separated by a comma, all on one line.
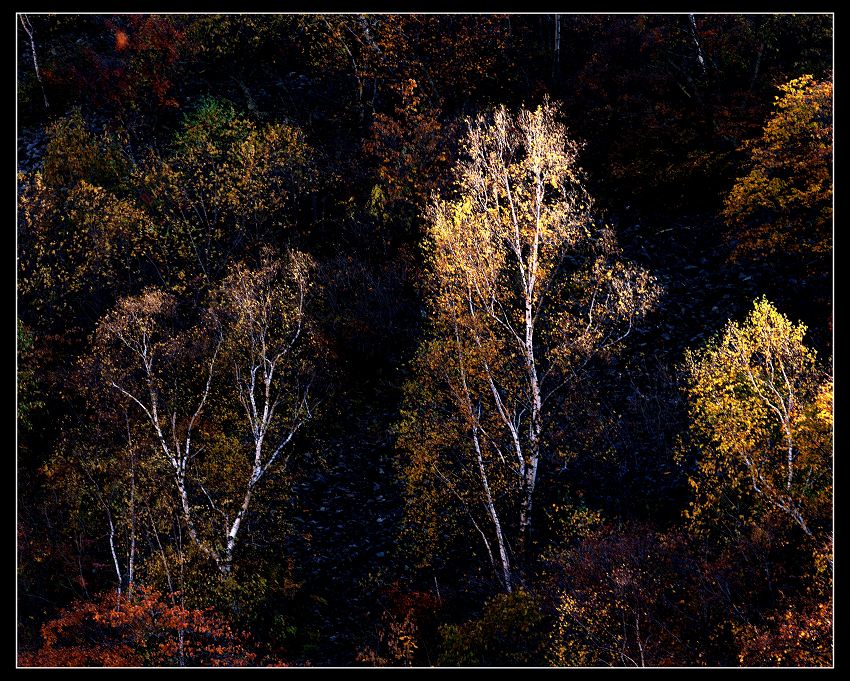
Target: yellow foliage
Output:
[(784, 204), (760, 412)]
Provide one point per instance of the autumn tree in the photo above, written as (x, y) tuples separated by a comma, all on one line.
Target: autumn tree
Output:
[(799, 636), (510, 632), (169, 369), (784, 203), (227, 185), (526, 286), (148, 360), (631, 596), (81, 237), (26, 388), (176, 342), (268, 346), (423, 69), (761, 415), (408, 617), (103, 471), (100, 220), (141, 629)]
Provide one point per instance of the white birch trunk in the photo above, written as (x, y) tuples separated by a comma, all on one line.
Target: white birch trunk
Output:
[(494, 516)]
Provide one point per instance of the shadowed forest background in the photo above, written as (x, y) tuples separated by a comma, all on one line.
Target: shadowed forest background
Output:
[(424, 340)]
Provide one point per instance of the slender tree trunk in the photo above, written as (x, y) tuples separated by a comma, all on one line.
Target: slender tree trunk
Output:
[(695, 38), (790, 457), (237, 523), (528, 484), (181, 630), (708, 88), (180, 654), (118, 573), (535, 430), (556, 60), (494, 516), (131, 559), (355, 70), (25, 22), (757, 66), (190, 525), (507, 578), (162, 555)]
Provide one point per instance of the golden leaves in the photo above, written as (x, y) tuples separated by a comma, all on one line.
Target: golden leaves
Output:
[(74, 153), (520, 206), (92, 221), (77, 240), (751, 394), (265, 305), (785, 202)]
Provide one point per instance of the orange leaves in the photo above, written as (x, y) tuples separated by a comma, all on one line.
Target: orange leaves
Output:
[(408, 148), (142, 629), (409, 95), (797, 637), (121, 40)]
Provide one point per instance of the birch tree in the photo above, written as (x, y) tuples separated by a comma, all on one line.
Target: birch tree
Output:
[(526, 287), (267, 334), (151, 362), (246, 353), (762, 412)]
